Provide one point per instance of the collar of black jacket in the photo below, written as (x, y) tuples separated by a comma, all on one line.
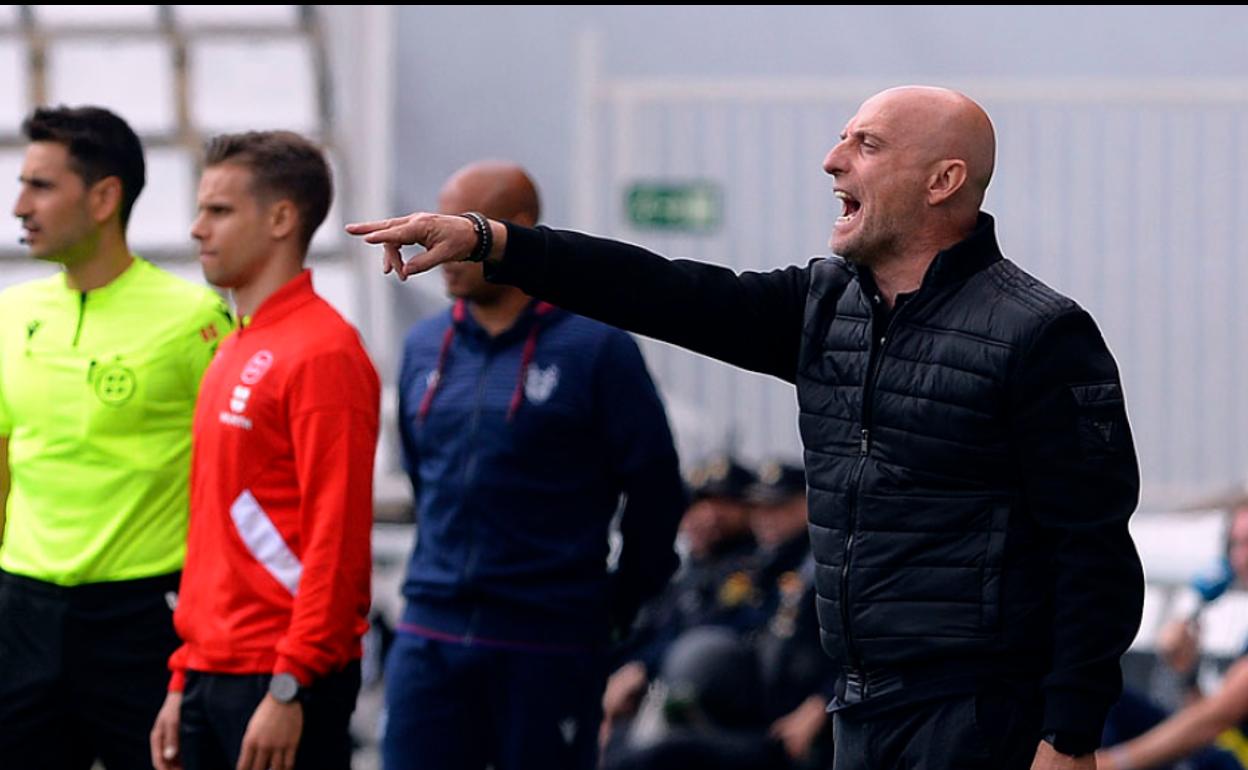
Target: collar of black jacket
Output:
[(966, 257), (958, 262)]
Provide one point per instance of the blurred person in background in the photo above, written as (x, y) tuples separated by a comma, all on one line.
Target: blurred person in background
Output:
[(716, 532), (522, 426), (751, 696), (1211, 731)]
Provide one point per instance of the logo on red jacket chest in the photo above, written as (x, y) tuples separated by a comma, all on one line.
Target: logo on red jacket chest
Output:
[(253, 371), (256, 367)]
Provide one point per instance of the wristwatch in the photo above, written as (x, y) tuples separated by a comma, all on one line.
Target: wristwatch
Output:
[(1071, 744), (285, 688)]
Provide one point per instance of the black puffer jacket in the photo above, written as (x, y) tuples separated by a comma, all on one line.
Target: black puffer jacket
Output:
[(970, 465)]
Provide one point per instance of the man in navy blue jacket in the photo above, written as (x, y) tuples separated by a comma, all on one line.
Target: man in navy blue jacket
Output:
[(522, 426)]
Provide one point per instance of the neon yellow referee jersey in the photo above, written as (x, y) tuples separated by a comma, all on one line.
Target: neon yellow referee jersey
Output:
[(97, 390)]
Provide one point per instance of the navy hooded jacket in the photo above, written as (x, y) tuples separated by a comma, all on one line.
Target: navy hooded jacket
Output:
[(518, 459)]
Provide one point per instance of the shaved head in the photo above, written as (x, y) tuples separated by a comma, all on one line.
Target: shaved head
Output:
[(497, 189), (911, 169), (944, 125)]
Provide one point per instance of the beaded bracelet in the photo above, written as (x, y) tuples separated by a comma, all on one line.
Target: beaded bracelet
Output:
[(485, 236)]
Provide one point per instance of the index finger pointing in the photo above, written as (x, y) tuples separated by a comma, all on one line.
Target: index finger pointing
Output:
[(363, 228)]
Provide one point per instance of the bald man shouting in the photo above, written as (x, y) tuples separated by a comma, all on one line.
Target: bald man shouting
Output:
[(970, 466)]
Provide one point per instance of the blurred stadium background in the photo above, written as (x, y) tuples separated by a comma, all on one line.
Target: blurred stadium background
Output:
[(699, 131)]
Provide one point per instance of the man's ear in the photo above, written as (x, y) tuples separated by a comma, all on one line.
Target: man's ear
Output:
[(948, 177), (104, 199), (283, 219)]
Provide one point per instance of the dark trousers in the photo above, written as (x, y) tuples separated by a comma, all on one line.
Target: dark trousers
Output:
[(457, 707), (984, 731), (83, 671), (217, 707), (688, 750)]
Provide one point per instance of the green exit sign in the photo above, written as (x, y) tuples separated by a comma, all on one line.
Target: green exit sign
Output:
[(691, 207)]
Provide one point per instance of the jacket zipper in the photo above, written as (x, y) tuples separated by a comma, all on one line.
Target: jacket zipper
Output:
[(864, 449), (470, 466)]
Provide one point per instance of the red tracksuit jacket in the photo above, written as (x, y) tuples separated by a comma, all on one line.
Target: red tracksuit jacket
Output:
[(278, 558)]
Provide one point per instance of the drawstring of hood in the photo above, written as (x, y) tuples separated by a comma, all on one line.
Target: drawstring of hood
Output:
[(458, 314)]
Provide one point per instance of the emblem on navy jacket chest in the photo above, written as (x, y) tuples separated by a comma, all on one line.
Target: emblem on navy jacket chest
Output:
[(540, 382)]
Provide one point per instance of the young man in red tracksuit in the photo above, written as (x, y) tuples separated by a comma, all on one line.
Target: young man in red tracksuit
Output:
[(276, 585)]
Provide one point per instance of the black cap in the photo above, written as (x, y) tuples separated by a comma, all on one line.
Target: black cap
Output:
[(720, 476), (777, 482), (712, 674)]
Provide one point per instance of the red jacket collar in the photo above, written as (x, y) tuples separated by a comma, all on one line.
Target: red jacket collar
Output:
[(285, 300)]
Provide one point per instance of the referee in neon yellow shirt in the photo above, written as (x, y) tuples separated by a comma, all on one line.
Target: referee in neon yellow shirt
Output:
[(99, 368)]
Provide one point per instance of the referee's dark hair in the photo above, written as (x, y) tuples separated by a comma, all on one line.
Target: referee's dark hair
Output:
[(100, 145)]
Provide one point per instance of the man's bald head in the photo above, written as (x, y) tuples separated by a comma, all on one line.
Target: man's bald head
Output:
[(942, 124), (911, 169), (497, 189)]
